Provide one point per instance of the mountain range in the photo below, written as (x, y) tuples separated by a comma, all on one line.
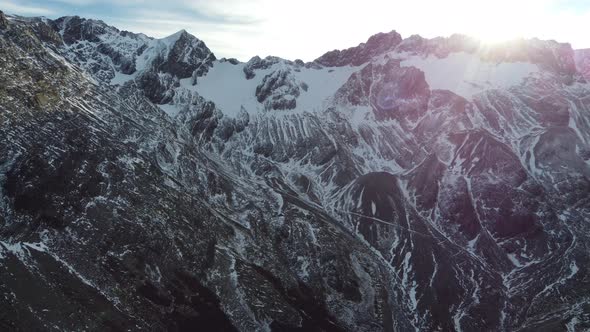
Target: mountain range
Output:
[(403, 184)]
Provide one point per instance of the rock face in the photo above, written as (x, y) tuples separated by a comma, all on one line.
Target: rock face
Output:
[(3, 20), (257, 63), (376, 45), (582, 58), (146, 185), (278, 90)]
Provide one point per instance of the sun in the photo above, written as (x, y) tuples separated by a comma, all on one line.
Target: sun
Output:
[(497, 21), (494, 34)]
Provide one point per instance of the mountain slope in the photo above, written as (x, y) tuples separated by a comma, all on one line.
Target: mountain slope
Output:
[(403, 184)]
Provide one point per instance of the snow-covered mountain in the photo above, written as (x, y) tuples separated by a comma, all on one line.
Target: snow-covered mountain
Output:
[(403, 184)]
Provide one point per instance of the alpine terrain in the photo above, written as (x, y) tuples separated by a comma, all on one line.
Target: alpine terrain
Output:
[(403, 184)]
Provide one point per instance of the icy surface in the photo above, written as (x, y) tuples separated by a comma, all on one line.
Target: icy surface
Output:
[(226, 85), (467, 74)]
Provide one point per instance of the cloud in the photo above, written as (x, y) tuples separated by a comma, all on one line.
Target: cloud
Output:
[(118, 3), (76, 2), (19, 9), (239, 9)]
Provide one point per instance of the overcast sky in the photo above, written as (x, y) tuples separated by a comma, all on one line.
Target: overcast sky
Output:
[(306, 29)]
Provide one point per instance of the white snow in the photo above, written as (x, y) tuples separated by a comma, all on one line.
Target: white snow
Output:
[(373, 207), (561, 281), (171, 110), (471, 244), (359, 115), (512, 257), (172, 39), (573, 119), (434, 270), (457, 320), (571, 325), (154, 48), (466, 74), (14, 248), (323, 84), (573, 269), (359, 203), (153, 272), (226, 85), (407, 268), (121, 78), (413, 299), (304, 267)]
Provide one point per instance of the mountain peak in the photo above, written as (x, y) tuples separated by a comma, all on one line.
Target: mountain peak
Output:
[(173, 38), (186, 40), (375, 45), (75, 28)]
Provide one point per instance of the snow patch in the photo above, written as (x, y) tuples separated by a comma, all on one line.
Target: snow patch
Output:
[(172, 39), (226, 85), (171, 110), (471, 244), (303, 273), (322, 84), (121, 78), (571, 325), (466, 74), (573, 269), (512, 257)]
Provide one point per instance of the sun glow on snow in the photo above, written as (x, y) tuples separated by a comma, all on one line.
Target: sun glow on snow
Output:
[(341, 24)]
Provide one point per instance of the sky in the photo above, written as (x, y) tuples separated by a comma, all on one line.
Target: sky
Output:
[(306, 29)]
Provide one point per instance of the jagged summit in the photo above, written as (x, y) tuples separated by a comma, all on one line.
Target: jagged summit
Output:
[(375, 45), (117, 57), (173, 38), (547, 53)]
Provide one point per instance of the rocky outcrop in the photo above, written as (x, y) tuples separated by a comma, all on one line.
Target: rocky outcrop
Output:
[(356, 56), (3, 20), (257, 63), (440, 47), (582, 58), (186, 55), (278, 90)]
